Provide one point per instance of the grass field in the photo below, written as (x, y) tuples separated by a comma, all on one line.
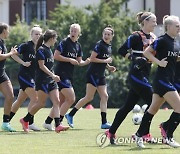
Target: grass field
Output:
[(81, 139)]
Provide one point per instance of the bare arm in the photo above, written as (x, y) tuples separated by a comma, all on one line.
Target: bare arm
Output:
[(47, 71), (59, 57), (7, 55), (20, 61), (111, 68), (148, 54), (82, 62), (93, 58)]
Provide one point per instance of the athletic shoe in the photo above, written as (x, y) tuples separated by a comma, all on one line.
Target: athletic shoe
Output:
[(69, 120), (138, 140), (171, 142), (163, 132), (61, 128), (110, 136), (146, 138), (25, 125), (33, 127), (7, 127), (107, 125), (48, 127)]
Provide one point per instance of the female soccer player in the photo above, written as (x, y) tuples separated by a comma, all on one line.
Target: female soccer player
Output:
[(26, 74), (164, 126), (139, 72), (100, 59), (5, 84), (45, 80), (68, 54), (164, 90)]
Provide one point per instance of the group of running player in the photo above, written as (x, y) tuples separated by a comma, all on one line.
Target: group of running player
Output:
[(38, 80)]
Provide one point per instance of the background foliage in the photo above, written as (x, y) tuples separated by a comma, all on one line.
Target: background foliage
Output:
[(93, 20)]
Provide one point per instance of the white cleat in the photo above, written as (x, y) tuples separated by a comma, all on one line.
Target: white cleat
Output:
[(139, 141), (48, 127), (171, 142), (33, 127)]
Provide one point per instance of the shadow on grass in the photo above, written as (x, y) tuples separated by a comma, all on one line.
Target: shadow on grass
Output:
[(33, 132)]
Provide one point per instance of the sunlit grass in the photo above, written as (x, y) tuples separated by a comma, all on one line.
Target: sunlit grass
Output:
[(81, 139)]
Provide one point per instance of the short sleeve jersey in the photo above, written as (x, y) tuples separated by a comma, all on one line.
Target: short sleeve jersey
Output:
[(177, 73), (28, 55), (165, 46), (103, 51), (3, 50), (69, 49), (44, 53)]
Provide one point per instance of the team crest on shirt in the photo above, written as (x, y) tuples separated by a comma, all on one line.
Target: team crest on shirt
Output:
[(77, 47), (109, 49), (32, 81)]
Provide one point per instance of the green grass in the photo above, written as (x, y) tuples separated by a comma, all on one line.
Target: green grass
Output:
[(81, 139)]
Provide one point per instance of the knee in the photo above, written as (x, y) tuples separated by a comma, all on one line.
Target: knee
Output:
[(71, 100), (34, 99), (105, 97), (89, 98), (41, 105)]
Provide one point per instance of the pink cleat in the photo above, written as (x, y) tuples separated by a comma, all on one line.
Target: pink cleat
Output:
[(146, 138), (61, 128), (163, 132), (25, 125), (110, 136)]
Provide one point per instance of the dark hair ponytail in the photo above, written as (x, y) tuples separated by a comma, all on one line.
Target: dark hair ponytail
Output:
[(39, 42), (45, 37)]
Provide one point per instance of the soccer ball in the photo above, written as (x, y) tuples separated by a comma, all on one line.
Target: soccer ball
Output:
[(136, 109), (144, 107), (137, 118)]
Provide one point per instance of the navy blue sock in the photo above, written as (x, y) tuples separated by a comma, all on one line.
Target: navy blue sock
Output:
[(145, 124), (103, 117), (73, 112), (173, 123)]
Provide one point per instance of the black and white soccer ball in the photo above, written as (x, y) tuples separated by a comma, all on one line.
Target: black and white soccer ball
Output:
[(144, 107), (136, 109), (137, 118)]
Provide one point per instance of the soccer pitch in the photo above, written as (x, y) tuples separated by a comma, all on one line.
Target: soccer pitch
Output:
[(82, 138)]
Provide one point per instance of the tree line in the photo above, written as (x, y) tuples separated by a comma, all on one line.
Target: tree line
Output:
[(93, 20)]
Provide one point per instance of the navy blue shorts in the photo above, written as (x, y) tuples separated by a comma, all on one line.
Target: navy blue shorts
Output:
[(26, 81), (64, 83), (4, 77), (177, 86), (141, 87), (161, 87), (46, 87), (95, 80)]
